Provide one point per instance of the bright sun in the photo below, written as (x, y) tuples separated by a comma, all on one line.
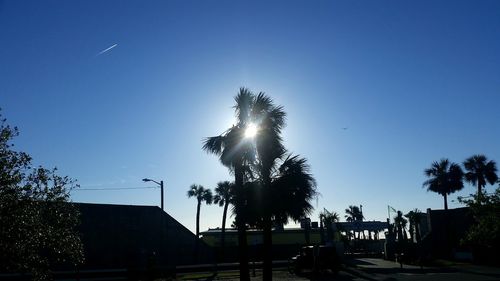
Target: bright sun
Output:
[(251, 131)]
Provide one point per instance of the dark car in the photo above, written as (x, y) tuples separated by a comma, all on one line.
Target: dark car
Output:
[(316, 259)]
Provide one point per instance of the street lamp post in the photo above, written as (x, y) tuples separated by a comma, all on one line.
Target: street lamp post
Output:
[(161, 187)]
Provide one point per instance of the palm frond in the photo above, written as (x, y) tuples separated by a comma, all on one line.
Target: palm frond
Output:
[(206, 196), (213, 145), (445, 177), (293, 189), (243, 107), (223, 193)]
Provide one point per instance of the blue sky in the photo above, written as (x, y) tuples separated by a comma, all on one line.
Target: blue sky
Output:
[(413, 81)]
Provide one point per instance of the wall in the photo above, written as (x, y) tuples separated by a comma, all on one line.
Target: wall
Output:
[(121, 236)]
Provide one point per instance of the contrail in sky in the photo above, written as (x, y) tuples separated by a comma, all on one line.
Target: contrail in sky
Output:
[(106, 50)]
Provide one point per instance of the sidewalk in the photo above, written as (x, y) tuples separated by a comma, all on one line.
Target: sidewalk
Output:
[(378, 269)]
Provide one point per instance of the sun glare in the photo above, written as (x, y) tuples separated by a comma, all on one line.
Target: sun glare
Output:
[(251, 130)]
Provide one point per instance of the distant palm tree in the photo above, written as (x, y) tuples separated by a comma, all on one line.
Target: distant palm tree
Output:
[(414, 220), (400, 225), (353, 214), (223, 196), (445, 178), (480, 171), (327, 219), (202, 195)]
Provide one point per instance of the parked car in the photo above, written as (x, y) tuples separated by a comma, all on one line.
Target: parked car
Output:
[(316, 259)]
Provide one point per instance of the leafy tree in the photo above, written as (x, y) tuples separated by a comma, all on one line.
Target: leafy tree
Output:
[(224, 196), (445, 178), (484, 235), (480, 171), (37, 222), (202, 195)]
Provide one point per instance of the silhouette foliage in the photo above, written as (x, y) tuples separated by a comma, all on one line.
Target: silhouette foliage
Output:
[(445, 178), (37, 224), (480, 171)]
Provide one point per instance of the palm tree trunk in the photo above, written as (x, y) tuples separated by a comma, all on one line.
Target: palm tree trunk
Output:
[(197, 242), (198, 219), (241, 225), (267, 263), (223, 234), (445, 196), (417, 232), (411, 230), (321, 229), (267, 267)]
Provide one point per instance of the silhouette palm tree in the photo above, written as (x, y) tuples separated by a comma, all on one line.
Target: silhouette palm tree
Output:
[(223, 197), (353, 214), (480, 171), (280, 185), (236, 152), (414, 228), (287, 185), (202, 195), (445, 178), (327, 219), (291, 191), (400, 224), (269, 120)]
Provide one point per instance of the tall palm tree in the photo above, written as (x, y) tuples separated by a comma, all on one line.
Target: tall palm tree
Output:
[(445, 178), (291, 191), (270, 120), (202, 195), (235, 152), (480, 171), (264, 156), (284, 184), (223, 196)]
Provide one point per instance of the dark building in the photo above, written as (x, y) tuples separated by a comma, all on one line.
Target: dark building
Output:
[(122, 236), (442, 231)]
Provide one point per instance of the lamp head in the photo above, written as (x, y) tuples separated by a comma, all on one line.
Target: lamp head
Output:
[(146, 180)]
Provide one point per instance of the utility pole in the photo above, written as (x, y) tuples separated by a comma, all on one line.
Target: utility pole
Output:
[(161, 186)]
